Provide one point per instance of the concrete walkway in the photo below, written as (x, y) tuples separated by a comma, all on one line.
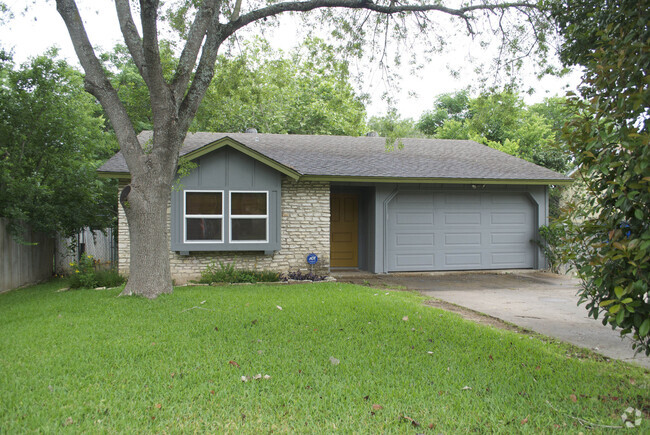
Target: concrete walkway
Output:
[(539, 301)]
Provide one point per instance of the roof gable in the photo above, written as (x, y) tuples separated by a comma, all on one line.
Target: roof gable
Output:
[(227, 141)]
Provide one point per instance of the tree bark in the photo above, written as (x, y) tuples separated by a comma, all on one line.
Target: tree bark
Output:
[(146, 212)]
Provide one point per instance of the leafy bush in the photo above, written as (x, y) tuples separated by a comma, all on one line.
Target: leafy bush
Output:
[(85, 275), (299, 276), (108, 278), (551, 244), (608, 232), (230, 274)]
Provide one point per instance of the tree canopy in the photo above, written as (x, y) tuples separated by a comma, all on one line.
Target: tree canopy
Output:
[(52, 139), (305, 92), (606, 231), (501, 120), (393, 126)]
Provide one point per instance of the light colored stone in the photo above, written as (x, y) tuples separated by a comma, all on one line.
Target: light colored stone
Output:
[(305, 229)]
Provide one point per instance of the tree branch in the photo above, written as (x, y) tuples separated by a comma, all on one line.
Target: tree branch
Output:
[(98, 84), (159, 93), (204, 72), (130, 34), (195, 37), (392, 8), (235, 11)]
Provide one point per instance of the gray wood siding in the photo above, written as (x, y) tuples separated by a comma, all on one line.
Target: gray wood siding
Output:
[(228, 170)]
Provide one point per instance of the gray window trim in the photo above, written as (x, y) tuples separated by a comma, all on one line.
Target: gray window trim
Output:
[(248, 216), (185, 216)]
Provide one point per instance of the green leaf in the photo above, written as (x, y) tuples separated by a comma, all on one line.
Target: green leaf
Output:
[(638, 214), (607, 302), (615, 309), (620, 291), (645, 328), (620, 317)]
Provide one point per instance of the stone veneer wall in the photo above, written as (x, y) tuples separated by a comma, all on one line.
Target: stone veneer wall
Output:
[(305, 228)]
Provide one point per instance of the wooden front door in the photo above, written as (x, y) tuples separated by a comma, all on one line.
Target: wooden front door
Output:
[(344, 230)]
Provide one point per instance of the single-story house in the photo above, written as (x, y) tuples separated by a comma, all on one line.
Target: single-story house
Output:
[(268, 200)]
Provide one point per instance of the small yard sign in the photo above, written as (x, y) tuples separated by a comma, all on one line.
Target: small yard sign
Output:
[(312, 259)]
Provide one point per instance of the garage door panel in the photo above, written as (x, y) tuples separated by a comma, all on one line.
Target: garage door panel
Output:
[(466, 218), (509, 259), (463, 239), (505, 218), (418, 261), (461, 199), (415, 200), (417, 239), (508, 238), (459, 231), (414, 218), (505, 198), (463, 261)]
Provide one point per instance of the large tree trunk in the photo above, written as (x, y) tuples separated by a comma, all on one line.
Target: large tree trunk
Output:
[(145, 206)]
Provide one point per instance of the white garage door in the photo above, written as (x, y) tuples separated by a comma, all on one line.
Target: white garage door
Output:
[(460, 231)]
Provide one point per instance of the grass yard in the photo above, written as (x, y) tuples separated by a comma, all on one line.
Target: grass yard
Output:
[(88, 361)]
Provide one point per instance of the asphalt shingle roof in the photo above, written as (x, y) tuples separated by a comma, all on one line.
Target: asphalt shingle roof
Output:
[(367, 157)]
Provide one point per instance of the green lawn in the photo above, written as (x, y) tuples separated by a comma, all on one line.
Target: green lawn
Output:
[(88, 361)]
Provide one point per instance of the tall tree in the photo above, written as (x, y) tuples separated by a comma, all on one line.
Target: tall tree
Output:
[(263, 89), (450, 106), (206, 25), (501, 119), (607, 234), (52, 139), (392, 126)]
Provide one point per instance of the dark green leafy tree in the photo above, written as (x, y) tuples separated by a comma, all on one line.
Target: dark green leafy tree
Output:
[(608, 230), (305, 92), (502, 120), (495, 115), (446, 107), (52, 139), (393, 126)]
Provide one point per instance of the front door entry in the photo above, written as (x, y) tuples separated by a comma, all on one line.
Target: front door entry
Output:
[(344, 230)]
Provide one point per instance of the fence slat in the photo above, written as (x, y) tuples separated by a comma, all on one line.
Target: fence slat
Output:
[(24, 264)]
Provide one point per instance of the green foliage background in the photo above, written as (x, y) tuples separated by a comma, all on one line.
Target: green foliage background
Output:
[(306, 91), (607, 225), (52, 138)]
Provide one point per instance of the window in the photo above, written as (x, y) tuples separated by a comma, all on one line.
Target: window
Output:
[(203, 216), (249, 217)]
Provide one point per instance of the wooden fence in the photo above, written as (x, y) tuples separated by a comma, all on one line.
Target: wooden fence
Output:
[(24, 264)]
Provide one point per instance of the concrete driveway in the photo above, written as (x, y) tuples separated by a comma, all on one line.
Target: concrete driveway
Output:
[(539, 301)]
